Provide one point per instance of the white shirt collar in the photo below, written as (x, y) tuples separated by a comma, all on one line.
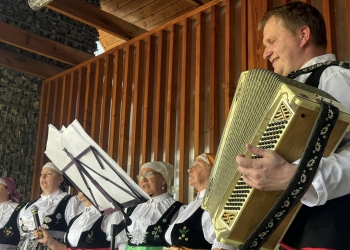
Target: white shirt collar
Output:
[(50, 196), (158, 198), (5, 204), (319, 59), (200, 194)]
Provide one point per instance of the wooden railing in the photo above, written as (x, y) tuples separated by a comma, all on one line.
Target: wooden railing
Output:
[(164, 95)]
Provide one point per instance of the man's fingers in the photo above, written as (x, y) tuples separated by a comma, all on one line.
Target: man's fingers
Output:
[(255, 150)]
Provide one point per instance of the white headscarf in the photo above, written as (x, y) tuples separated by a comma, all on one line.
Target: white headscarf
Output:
[(53, 166), (166, 170)]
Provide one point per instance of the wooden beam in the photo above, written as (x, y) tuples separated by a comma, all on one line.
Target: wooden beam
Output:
[(40, 45), (194, 2), (28, 65), (90, 15)]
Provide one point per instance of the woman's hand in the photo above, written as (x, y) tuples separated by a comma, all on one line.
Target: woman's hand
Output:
[(48, 240)]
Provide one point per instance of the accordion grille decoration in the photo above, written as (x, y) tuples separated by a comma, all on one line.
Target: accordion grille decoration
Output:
[(272, 112)]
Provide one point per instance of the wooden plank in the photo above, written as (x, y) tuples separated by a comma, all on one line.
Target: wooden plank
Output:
[(40, 142), (185, 110), (27, 65), (172, 83), (40, 45), (255, 9), (329, 19), (229, 34), (89, 95), (57, 84), (116, 105), (153, 10), (126, 107), (81, 95), (137, 109), (113, 4), (140, 8), (72, 99), (347, 6), (158, 133), (214, 114), (195, 3), (230, 50), (148, 101), (94, 17), (163, 15), (106, 102), (198, 146), (64, 102), (97, 101)]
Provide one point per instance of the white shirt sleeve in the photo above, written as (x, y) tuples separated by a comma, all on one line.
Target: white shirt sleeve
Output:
[(74, 207), (115, 218), (333, 175)]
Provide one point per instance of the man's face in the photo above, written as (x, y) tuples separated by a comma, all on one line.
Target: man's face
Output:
[(282, 48)]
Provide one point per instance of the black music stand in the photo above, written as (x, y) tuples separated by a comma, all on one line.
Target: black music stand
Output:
[(93, 172)]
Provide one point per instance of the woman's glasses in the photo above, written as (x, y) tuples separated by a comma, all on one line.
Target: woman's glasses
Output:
[(147, 175)]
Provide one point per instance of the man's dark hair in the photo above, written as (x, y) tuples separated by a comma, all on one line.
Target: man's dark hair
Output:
[(295, 15)]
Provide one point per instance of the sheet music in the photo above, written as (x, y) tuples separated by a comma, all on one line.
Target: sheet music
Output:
[(101, 186)]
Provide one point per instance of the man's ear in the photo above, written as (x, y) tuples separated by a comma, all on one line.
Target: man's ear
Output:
[(305, 35)]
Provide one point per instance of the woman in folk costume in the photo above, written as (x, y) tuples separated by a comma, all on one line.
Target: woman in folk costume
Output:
[(55, 209), (150, 220), (193, 228), (9, 209), (89, 230)]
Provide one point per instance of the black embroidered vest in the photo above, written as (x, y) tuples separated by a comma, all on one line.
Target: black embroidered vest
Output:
[(326, 226), (55, 221), (190, 232), (9, 234), (155, 233), (92, 238)]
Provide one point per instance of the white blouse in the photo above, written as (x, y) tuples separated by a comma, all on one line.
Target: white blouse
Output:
[(46, 206), (6, 210), (147, 214), (208, 228), (86, 220)]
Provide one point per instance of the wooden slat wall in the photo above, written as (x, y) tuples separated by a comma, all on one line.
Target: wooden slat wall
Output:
[(165, 95)]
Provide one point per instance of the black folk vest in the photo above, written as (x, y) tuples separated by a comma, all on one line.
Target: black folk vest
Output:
[(326, 226), (55, 221), (190, 232), (92, 238), (9, 234), (155, 234)]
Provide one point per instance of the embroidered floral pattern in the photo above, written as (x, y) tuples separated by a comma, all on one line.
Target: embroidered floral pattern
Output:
[(8, 232), (183, 232), (137, 237), (90, 238), (156, 231), (58, 217), (47, 220)]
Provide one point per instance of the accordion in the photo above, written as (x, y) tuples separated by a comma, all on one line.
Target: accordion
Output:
[(269, 111)]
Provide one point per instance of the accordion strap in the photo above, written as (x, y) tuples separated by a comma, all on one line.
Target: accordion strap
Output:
[(302, 179), (313, 68)]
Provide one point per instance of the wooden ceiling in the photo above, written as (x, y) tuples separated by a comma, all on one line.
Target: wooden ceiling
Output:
[(145, 14), (117, 22)]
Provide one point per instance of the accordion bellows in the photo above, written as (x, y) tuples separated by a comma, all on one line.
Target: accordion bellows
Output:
[(273, 112)]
